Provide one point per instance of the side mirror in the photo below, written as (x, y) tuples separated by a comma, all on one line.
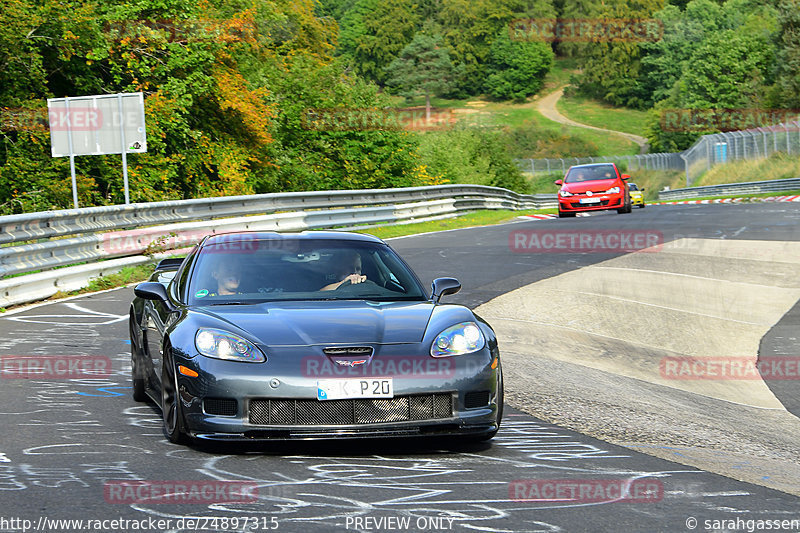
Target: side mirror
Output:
[(626, 177), (642, 189), (444, 286), (558, 182), (151, 290)]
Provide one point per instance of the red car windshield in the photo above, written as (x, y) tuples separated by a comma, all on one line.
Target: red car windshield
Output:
[(599, 172)]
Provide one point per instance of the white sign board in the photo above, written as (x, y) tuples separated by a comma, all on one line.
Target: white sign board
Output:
[(97, 125)]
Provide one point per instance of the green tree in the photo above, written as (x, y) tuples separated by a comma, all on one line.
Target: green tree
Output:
[(517, 68), (469, 28), (423, 68), (730, 70), (612, 68), (786, 92), (374, 32)]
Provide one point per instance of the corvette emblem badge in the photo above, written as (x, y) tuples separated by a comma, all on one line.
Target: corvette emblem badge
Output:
[(351, 363)]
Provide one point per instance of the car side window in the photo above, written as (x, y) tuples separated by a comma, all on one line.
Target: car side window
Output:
[(180, 281)]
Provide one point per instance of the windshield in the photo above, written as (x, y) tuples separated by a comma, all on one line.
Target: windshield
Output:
[(600, 172), (300, 269), (633, 187)]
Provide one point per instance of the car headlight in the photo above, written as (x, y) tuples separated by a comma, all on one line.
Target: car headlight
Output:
[(462, 338), (564, 193), (613, 190), (223, 345)]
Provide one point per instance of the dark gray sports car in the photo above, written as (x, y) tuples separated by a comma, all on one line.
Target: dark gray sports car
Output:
[(309, 336)]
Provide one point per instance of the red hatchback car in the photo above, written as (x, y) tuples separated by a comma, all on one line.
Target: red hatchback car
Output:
[(594, 187)]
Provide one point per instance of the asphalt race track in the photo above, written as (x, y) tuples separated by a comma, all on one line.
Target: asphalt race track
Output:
[(67, 444)]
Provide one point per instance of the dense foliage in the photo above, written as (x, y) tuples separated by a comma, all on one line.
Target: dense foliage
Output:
[(246, 96), (228, 86)]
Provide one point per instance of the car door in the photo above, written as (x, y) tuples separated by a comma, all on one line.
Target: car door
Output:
[(155, 319)]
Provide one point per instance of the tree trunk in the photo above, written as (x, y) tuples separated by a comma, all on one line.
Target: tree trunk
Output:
[(427, 109)]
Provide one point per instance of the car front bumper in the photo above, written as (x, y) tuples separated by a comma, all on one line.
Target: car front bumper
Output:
[(277, 400), (572, 204)]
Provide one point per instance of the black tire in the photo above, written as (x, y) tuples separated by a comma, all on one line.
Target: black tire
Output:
[(137, 372), (641, 206), (171, 411)]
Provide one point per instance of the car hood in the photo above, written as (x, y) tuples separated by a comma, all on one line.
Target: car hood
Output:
[(594, 186), (327, 322)]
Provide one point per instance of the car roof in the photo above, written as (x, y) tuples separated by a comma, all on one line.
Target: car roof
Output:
[(592, 165), (227, 238)]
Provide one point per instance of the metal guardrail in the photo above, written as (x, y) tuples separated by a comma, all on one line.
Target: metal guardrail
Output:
[(28, 226), (750, 187), (97, 233)]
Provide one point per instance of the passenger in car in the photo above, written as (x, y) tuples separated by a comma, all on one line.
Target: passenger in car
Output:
[(347, 268)]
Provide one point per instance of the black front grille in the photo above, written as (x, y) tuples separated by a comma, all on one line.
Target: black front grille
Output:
[(265, 412), (220, 406), (601, 203), (473, 400)]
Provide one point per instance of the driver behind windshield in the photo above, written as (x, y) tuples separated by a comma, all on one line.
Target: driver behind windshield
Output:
[(347, 268), (227, 276)]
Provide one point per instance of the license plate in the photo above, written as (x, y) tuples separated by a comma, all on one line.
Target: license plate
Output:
[(589, 200), (346, 389)]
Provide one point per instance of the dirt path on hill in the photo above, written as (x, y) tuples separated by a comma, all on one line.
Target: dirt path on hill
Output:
[(547, 107)]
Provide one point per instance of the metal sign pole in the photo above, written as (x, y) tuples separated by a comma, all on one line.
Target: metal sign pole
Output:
[(124, 149), (71, 157)]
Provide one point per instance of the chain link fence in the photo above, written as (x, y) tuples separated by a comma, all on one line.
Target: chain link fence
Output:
[(721, 148), (707, 151), (661, 161)]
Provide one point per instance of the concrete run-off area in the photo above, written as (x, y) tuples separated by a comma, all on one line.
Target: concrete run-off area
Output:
[(647, 350)]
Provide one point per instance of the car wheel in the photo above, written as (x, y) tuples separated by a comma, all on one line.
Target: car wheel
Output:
[(641, 206), (170, 401), (137, 372)]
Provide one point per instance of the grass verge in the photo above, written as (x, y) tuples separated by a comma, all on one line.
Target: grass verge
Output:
[(126, 276), (594, 113), (775, 167), (484, 217)]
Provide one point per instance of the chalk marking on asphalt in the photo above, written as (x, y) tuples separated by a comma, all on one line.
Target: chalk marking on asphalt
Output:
[(84, 314)]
